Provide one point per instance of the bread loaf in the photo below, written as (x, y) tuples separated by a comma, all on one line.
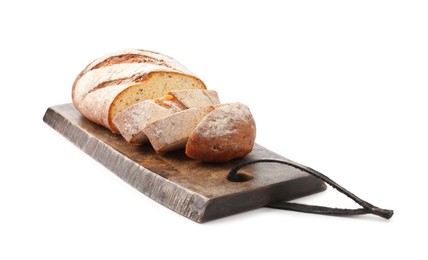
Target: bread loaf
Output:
[(226, 133), (118, 80), (171, 132), (146, 95)]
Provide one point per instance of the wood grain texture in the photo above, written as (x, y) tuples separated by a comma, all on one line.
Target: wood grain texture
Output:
[(194, 189)]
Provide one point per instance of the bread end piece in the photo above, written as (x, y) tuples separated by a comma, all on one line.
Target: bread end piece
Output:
[(226, 133)]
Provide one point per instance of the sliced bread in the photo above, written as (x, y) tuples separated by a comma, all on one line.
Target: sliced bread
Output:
[(132, 120), (171, 132)]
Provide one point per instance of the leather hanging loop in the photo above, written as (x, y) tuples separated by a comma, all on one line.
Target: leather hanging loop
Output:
[(367, 208)]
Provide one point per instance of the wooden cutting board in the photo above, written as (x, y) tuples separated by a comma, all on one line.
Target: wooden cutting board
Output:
[(194, 189)]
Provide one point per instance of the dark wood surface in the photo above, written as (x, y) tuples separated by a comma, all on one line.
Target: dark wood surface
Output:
[(194, 189)]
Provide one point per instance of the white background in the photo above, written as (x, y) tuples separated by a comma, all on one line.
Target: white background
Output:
[(337, 85)]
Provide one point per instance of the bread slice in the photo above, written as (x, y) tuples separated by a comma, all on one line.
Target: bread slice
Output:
[(170, 102), (171, 132), (195, 97), (131, 121), (116, 81), (178, 100), (226, 133)]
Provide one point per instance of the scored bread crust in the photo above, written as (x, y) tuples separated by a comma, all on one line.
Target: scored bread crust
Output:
[(118, 80), (226, 133)]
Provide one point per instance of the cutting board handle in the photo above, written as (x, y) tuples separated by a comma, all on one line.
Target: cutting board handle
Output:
[(367, 208)]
